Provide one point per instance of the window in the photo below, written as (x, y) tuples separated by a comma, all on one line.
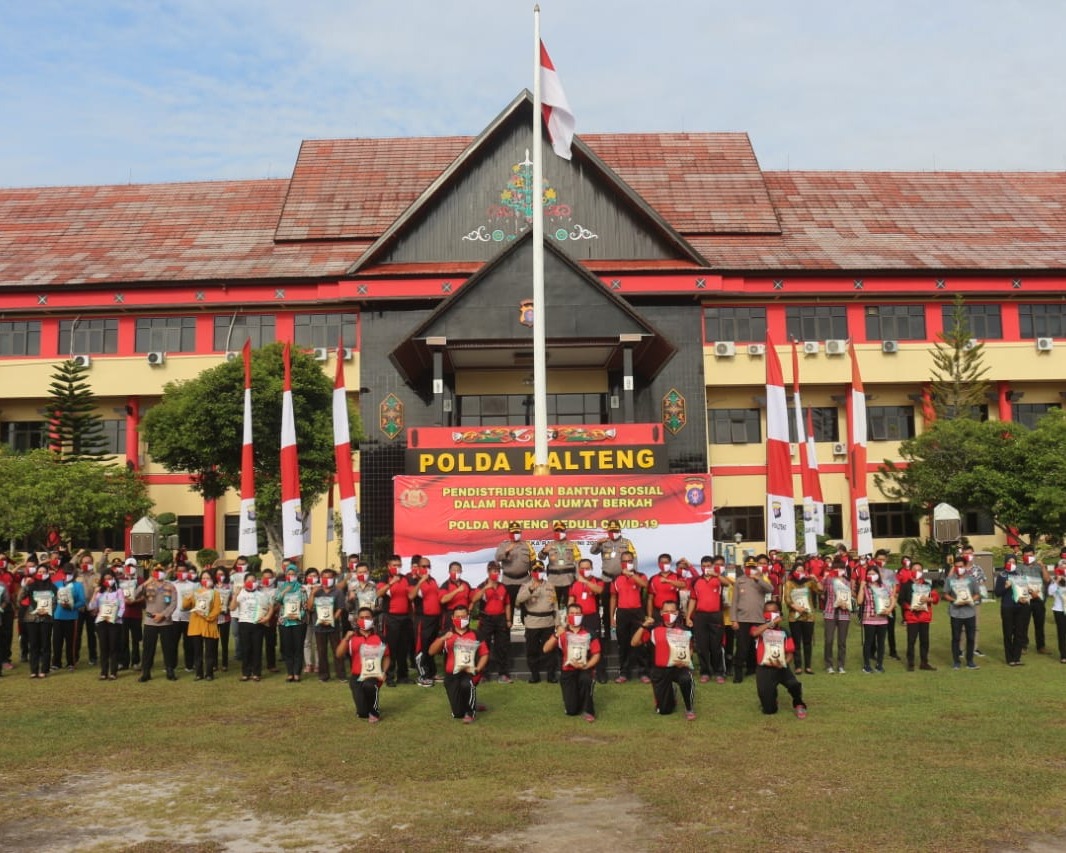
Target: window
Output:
[(22, 436), (734, 426), (324, 330), (895, 322), (114, 434), (817, 322), (748, 521), (231, 532), (734, 324), (834, 521), (257, 328), (166, 334), (1029, 413), (517, 409), (113, 538), (893, 521), (191, 533), (88, 337), (824, 423), (984, 321), (977, 522), (19, 337), (889, 423), (1042, 321)]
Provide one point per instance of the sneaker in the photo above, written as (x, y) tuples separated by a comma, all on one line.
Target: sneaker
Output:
[(9, 665), (590, 718), (645, 680), (801, 712), (621, 680), (928, 666), (979, 653), (830, 671), (867, 670), (704, 679), (425, 682), (879, 669), (719, 680), (70, 668), (505, 679), (468, 718), (972, 666), (840, 670), (956, 666), (533, 679), (373, 719), (690, 715)]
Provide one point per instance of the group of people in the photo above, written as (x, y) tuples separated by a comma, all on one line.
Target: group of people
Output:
[(678, 624)]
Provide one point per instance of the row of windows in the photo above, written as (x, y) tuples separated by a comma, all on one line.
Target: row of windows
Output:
[(517, 409), (99, 336), (23, 436), (883, 322), (889, 521), (883, 423)]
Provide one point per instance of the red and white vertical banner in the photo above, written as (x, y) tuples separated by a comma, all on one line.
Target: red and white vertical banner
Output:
[(248, 541), (780, 502), (342, 452), (292, 533), (558, 117), (861, 526), (813, 510)]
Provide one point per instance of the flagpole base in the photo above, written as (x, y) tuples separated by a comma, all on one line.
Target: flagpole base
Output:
[(541, 470)]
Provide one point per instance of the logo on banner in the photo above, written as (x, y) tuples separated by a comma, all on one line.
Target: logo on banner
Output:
[(525, 312), (864, 509), (413, 498), (695, 491)]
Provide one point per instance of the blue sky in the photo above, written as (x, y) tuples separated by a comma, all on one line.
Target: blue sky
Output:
[(115, 91)]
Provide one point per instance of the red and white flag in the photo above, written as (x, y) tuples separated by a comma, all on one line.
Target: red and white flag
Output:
[(342, 451), (555, 107), (248, 541), (780, 500), (862, 528), (813, 505), (292, 532)]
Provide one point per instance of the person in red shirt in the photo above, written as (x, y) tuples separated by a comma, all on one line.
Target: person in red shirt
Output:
[(364, 642), (425, 595), (773, 654), (580, 651), (917, 597), (494, 624), (461, 665), (627, 615), (663, 587), (454, 593), (586, 592), (704, 617), (10, 583), (670, 661), (399, 628)]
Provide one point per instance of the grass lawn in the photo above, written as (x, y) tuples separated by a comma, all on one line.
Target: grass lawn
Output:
[(902, 761)]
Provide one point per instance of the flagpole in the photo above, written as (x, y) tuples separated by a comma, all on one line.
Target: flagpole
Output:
[(540, 373)]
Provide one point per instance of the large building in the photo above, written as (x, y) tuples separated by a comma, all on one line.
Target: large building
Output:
[(669, 256)]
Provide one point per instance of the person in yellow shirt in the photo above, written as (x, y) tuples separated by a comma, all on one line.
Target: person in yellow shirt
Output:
[(204, 606)]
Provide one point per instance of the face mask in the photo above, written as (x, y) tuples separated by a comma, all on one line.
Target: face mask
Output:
[(918, 576), (182, 576), (516, 536), (290, 578), (627, 566), (752, 571), (327, 583), (55, 562), (366, 624), (669, 618), (494, 576), (536, 576), (801, 576), (968, 558), (1028, 558), (220, 577), (560, 535), (460, 623), (393, 571), (361, 577), (455, 575), (873, 577), (770, 616), (703, 570), (664, 567), (109, 582), (574, 620), (159, 575), (268, 582), (207, 583), (615, 535), (961, 569), (586, 573), (250, 584)]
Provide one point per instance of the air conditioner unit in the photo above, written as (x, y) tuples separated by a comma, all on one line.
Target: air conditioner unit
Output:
[(756, 349), (971, 343), (810, 347), (889, 346), (345, 353), (836, 347), (840, 448), (725, 349), (321, 353), (82, 360), (156, 358), (1045, 344), (232, 356)]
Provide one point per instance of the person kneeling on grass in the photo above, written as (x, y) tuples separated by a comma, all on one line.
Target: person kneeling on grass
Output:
[(465, 658), (370, 662), (671, 661), (580, 653), (773, 654)]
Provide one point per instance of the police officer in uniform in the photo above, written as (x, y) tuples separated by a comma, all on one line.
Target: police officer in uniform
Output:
[(537, 597), (610, 550), (515, 556), (561, 559)]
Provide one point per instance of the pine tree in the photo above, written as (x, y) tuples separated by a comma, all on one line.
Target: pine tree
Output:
[(76, 432), (958, 382)]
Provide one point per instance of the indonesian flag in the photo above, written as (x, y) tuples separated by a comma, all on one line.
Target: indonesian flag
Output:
[(780, 503), (813, 505), (248, 541), (292, 533), (342, 452), (860, 506), (555, 107)]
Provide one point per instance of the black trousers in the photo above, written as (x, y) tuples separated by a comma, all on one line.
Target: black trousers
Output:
[(707, 637), (591, 623), (627, 620), (803, 636), (535, 657), (744, 659), (873, 646), (270, 647), (462, 694), (251, 640), (205, 655), (39, 638), (223, 642), (365, 696), (7, 634), (325, 646), (969, 625), (767, 679), (63, 640), (426, 631), (1038, 612), (109, 635), (86, 626), (129, 653), (891, 634), (663, 679), (577, 686), (493, 630), (167, 637), (1015, 624), (399, 638), (292, 647), (917, 631), (1060, 630), (188, 647)]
